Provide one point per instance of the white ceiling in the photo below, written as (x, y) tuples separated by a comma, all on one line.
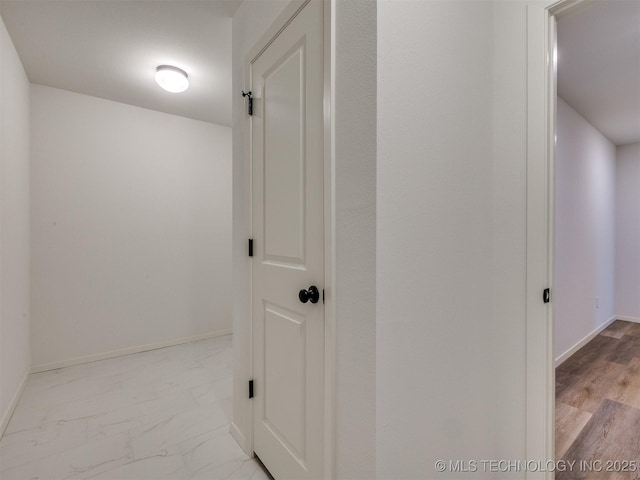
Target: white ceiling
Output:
[(599, 66), (110, 49)]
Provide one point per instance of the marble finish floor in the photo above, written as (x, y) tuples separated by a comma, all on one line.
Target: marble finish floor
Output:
[(162, 414)]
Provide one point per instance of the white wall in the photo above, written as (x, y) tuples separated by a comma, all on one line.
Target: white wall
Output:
[(15, 358), (584, 229), (131, 222), (451, 249), (355, 113), (628, 231)]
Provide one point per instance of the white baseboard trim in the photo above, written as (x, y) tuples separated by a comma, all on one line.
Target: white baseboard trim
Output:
[(126, 351), (239, 437), (6, 416), (585, 340), (628, 319)]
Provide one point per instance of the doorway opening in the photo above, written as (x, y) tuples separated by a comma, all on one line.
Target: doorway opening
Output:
[(595, 245)]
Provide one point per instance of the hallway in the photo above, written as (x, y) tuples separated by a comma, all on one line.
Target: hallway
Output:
[(157, 414)]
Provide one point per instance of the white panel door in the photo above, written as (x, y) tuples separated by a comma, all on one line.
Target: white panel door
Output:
[(288, 231)]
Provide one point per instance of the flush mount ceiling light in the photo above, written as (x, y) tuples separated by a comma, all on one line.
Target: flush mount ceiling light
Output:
[(172, 79)]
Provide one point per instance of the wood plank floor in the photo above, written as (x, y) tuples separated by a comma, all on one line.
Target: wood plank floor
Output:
[(598, 404)]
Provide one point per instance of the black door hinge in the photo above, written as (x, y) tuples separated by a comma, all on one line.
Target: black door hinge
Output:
[(250, 388), (546, 295), (250, 102), (323, 295), (251, 247)]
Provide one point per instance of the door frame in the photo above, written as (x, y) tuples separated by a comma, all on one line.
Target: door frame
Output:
[(284, 19), (541, 171)]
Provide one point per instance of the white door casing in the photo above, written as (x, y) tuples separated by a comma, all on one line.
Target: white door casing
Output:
[(541, 130), (287, 142)]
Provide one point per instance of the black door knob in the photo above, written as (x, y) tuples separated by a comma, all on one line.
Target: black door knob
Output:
[(312, 295)]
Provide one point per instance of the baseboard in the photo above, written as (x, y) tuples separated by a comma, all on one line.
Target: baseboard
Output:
[(239, 438), (126, 351), (628, 319), (585, 340), (12, 406)]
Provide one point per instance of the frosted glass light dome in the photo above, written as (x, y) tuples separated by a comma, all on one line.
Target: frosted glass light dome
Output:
[(172, 79)]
